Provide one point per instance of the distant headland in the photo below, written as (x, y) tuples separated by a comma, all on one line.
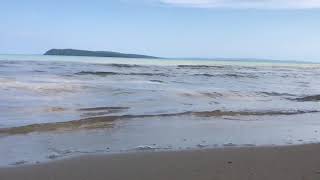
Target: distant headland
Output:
[(76, 52)]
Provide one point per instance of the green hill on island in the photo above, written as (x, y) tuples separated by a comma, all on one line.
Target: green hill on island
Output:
[(75, 52)]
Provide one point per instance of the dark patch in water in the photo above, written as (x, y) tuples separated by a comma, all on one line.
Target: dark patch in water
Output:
[(238, 119), (147, 74), (10, 62), (87, 123), (229, 145), (200, 66), (212, 94), (54, 67), (276, 94), (19, 163), (227, 75), (249, 113), (123, 65), (159, 81), (206, 74), (53, 156), (100, 111), (308, 98), (55, 109), (95, 114), (235, 75), (107, 121), (38, 71), (98, 73), (103, 108), (106, 73)]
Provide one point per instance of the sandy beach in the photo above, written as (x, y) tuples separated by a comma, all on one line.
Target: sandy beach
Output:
[(254, 163), (160, 90)]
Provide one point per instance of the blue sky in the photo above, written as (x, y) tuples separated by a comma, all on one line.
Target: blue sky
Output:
[(269, 29)]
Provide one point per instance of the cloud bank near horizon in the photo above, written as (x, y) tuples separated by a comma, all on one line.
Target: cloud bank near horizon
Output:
[(243, 4)]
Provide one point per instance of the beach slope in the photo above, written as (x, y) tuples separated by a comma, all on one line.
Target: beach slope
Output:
[(265, 163)]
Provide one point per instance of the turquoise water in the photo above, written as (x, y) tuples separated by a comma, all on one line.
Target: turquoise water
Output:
[(106, 60)]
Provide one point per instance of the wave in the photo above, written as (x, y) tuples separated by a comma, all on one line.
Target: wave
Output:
[(308, 98), (121, 65), (100, 111), (275, 94), (106, 73), (98, 73), (202, 94), (108, 121), (38, 71), (103, 108), (200, 66), (52, 87), (228, 75), (87, 123), (249, 113), (158, 81), (148, 74)]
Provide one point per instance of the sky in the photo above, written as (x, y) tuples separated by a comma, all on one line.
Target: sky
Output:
[(266, 29)]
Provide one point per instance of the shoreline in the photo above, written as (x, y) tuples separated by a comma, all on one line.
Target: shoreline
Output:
[(274, 162)]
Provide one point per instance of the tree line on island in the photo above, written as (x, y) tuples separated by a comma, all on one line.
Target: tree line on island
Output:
[(76, 52)]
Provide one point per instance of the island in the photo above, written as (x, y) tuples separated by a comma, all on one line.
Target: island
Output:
[(76, 52)]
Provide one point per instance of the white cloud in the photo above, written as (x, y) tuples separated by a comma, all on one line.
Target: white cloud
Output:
[(258, 4)]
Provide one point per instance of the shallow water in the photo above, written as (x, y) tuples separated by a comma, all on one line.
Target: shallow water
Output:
[(55, 106)]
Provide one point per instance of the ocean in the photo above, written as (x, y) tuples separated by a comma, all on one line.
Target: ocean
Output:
[(53, 107)]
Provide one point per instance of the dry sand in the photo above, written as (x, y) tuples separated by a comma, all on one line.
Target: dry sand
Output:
[(265, 163)]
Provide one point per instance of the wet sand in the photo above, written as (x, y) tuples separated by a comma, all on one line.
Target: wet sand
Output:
[(253, 163)]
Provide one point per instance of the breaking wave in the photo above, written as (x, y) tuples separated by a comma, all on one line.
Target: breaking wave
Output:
[(108, 121)]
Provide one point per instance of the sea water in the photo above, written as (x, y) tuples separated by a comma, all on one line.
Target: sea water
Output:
[(60, 106)]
